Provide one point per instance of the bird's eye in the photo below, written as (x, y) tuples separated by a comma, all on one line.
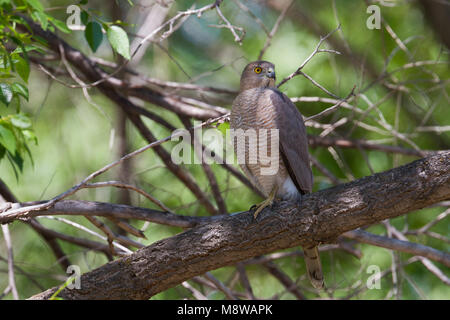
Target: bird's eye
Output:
[(257, 70)]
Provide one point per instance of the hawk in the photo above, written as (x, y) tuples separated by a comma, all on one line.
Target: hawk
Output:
[(260, 106)]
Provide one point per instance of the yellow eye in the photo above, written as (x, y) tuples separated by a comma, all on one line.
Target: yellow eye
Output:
[(257, 70)]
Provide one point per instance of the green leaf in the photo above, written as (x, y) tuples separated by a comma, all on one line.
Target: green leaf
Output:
[(83, 2), (29, 153), (7, 139), (36, 4), (41, 17), (30, 136), (93, 34), (84, 17), (21, 121), (20, 43), (17, 159), (223, 127), (20, 89), (28, 48), (3, 3), (60, 25), (22, 68), (119, 41), (11, 64), (6, 93)]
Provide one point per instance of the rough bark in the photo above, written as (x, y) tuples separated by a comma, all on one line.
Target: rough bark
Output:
[(320, 218)]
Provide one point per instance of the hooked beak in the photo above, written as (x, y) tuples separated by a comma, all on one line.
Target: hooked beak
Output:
[(270, 73)]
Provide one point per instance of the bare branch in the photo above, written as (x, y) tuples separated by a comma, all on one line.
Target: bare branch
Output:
[(219, 285), (85, 208), (284, 279), (315, 51), (332, 108), (323, 216), (399, 245), (315, 141), (119, 184), (273, 31), (11, 277), (232, 28)]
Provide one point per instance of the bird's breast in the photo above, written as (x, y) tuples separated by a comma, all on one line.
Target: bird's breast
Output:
[(254, 113)]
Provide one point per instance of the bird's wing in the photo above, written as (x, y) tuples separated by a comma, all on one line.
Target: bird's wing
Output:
[(293, 141)]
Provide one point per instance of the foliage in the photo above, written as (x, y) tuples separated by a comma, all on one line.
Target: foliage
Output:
[(15, 126)]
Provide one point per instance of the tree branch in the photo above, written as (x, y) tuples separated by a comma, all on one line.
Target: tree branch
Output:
[(102, 209), (399, 245), (321, 218)]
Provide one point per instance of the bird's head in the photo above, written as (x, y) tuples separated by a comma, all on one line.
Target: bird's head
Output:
[(258, 74)]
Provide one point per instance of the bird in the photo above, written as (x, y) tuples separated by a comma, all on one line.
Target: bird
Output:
[(260, 106)]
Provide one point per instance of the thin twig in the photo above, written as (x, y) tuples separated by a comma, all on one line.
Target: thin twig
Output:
[(123, 249), (273, 31), (219, 285), (119, 184), (11, 278), (229, 26), (197, 294), (400, 245), (315, 51), (332, 108)]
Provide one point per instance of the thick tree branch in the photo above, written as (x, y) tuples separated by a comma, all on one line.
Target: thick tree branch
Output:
[(103, 209), (61, 257), (321, 218)]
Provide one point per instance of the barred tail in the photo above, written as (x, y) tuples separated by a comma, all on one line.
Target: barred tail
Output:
[(314, 267)]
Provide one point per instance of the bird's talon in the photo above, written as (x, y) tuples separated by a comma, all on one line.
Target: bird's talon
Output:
[(255, 215), (261, 207)]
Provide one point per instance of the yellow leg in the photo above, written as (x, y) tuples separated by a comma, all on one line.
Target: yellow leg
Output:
[(268, 202)]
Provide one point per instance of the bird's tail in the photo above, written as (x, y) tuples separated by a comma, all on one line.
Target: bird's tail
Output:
[(314, 267)]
